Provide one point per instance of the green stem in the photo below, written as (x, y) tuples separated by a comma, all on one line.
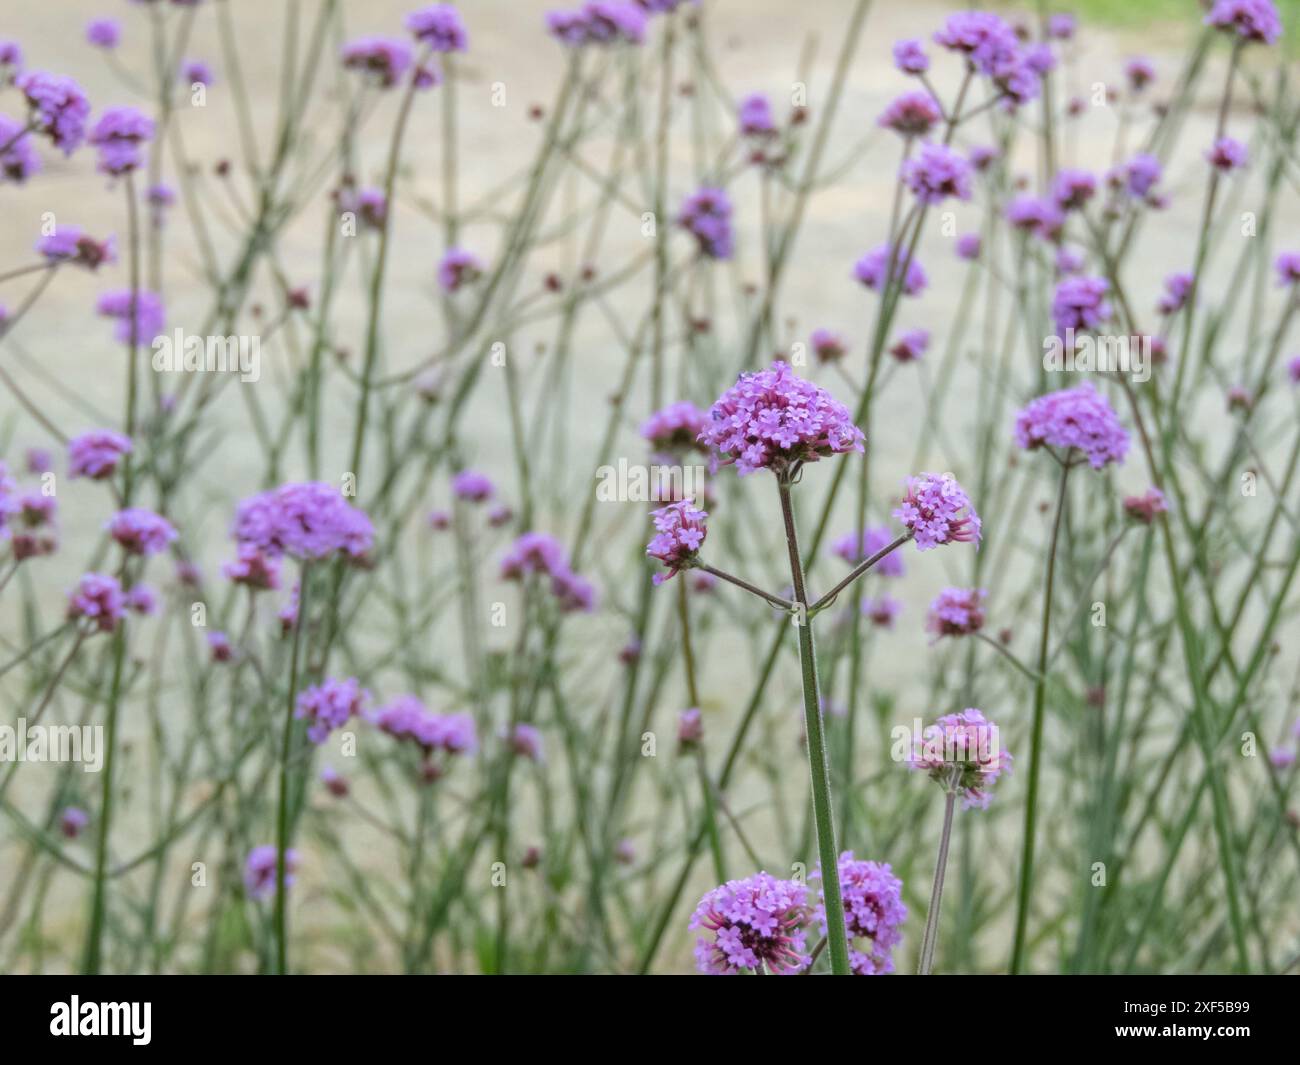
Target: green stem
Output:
[(936, 892), (818, 766)]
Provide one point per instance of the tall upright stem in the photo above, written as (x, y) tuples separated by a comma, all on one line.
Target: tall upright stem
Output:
[(818, 764), (1036, 740), (936, 892), (282, 812)]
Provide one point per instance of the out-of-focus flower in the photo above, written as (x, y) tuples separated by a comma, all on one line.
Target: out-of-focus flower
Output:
[(706, 215), (140, 327), (913, 114), (937, 172), (98, 598), (439, 26), (526, 741), (1251, 20), (755, 116), (260, 870), (472, 486), (773, 419), (104, 33), (119, 135), (962, 751), (73, 821), (1077, 417), (882, 610), (253, 568), (910, 57), (956, 612), (96, 454), (1037, 215), (1073, 188), (827, 345), (330, 705), (1080, 304), (59, 107), (18, 158), (874, 912), (307, 520), (142, 600), (1178, 287), (968, 246), (196, 72), (1240, 398), (676, 428), (1288, 268), (1145, 507), (382, 59), (458, 268), (910, 345), (603, 22), (140, 531), (1140, 73), (220, 647), (535, 553), (335, 783), (1226, 154), (873, 268), (690, 728), (757, 924), (854, 550), (406, 718)]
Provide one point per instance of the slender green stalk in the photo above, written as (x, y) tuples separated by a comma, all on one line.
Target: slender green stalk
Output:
[(936, 892)]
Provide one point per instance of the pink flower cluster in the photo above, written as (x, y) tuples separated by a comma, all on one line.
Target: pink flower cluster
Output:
[(937, 511), (538, 553), (406, 718), (962, 751), (757, 924), (675, 428), (682, 528), (1074, 418), (773, 419), (260, 870), (99, 599), (329, 706), (139, 327), (956, 612), (600, 22), (120, 135), (140, 531), (874, 913), (383, 59), (306, 520)]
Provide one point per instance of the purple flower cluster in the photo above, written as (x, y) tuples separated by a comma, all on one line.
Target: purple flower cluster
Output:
[(910, 345), (876, 266), (384, 59), (706, 215), (675, 428), (962, 751), (139, 327), (936, 173), (773, 419), (755, 116), (406, 718), (68, 244), (140, 531), (882, 610), (599, 22), (439, 27), (937, 511), (306, 520), (540, 554), (18, 158), (1080, 304), (1288, 268), (104, 32), (757, 923), (956, 612), (1227, 153), (1251, 20), (682, 528), (98, 598), (96, 454), (1073, 188), (260, 870), (526, 741), (827, 345), (910, 57), (1077, 417), (1178, 287), (854, 550), (1145, 507), (991, 47), (874, 913), (472, 486), (119, 136), (59, 107), (913, 114), (1037, 215), (458, 268), (330, 705), (73, 821), (253, 568)]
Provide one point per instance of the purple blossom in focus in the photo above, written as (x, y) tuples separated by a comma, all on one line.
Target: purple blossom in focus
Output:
[(936, 510), (1077, 417), (874, 912), (757, 924), (962, 751), (681, 530)]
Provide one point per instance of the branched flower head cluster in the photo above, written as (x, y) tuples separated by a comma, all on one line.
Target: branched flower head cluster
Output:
[(956, 612), (330, 705), (936, 510), (306, 520), (758, 923), (774, 419), (682, 527), (539, 553), (1077, 417), (962, 751), (874, 913)]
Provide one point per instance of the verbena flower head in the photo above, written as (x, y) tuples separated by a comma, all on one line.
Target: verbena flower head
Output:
[(148, 319), (196, 72), (96, 454), (406, 718), (1145, 507), (827, 345), (142, 599), (937, 511), (690, 728), (33, 515), (1080, 304), (383, 59), (140, 531), (682, 528), (1061, 26), (1293, 370), (912, 114), (59, 107), (472, 486), (439, 26), (1037, 215), (987, 41), (1141, 174), (910, 345), (260, 870), (1251, 20), (854, 550), (526, 741), (98, 598), (910, 57), (757, 923), (1140, 72), (755, 116), (104, 32), (968, 246), (535, 553), (937, 172), (1227, 153), (68, 244), (253, 568), (18, 158), (120, 135), (220, 647), (706, 215), (335, 782), (956, 612), (11, 58), (604, 22), (873, 268), (773, 419), (306, 520), (73, 821), (1288, 268), (882, 610), (1073, 188), (1178, 287), (962, 751), (330, 705), (1077, 417), (675, 428), (458, 268), (874, 912)]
